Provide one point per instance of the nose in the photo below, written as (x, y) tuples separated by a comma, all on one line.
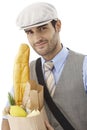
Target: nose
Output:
[(37, 37)]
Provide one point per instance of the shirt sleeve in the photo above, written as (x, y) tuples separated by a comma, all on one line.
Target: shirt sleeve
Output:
[(85, 73), (7, 103)]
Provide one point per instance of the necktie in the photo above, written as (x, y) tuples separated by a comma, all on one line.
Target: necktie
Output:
[(50, 81)]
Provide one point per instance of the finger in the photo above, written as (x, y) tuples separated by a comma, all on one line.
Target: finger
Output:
[(48, 126)]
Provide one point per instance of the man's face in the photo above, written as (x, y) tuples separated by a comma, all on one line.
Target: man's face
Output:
[(44, 40)]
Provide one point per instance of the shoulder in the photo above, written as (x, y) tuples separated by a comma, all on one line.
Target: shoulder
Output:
[(76, 55), (33, 63)]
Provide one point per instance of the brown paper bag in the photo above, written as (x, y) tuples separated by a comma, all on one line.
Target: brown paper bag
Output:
[(33, 99), (28, 123), (33, 96)]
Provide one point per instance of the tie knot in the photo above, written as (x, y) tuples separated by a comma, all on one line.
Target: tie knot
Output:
[(48, 65)]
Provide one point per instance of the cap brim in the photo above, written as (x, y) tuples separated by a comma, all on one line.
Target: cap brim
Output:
[(35, 25)]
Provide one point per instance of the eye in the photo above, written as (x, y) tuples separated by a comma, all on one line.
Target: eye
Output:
[(42, 28), (29, 32)]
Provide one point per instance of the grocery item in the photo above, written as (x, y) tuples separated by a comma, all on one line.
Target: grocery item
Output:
[(21, 72)]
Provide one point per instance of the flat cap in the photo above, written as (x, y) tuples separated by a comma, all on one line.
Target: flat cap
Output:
[(36, 14)]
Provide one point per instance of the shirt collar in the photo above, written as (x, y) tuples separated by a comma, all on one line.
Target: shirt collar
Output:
[(59, 59)]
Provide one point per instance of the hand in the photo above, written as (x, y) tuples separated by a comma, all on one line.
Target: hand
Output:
[(48, 126)]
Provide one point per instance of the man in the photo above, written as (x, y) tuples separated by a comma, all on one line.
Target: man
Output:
[(42, 26)]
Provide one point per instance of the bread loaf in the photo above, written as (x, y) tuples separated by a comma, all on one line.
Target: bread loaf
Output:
[(21, 72)]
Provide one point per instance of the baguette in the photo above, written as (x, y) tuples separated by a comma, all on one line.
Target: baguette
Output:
[(21, 72)]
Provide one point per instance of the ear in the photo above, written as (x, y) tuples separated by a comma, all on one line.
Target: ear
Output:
[(58, 25)]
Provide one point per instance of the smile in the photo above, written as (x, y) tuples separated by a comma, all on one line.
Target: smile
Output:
[(40, 44)]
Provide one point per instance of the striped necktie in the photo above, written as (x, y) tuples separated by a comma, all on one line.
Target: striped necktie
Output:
[(49, 77)]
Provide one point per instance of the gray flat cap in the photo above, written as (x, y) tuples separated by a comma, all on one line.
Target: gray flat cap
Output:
[(36, 14)]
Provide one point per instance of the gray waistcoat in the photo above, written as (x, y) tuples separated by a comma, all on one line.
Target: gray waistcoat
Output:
[(69, 95)]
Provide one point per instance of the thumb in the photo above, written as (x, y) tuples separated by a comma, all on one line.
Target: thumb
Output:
[(48, 126)]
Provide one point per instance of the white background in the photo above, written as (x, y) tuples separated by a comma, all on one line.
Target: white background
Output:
[(73, 15)]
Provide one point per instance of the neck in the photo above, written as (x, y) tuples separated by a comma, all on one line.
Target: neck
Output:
[(54, 53)]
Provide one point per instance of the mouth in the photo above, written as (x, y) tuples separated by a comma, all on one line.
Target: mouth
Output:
[(41, 44)]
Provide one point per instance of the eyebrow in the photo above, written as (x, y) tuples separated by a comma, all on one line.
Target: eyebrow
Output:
[(28, 30), (42, 25)]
